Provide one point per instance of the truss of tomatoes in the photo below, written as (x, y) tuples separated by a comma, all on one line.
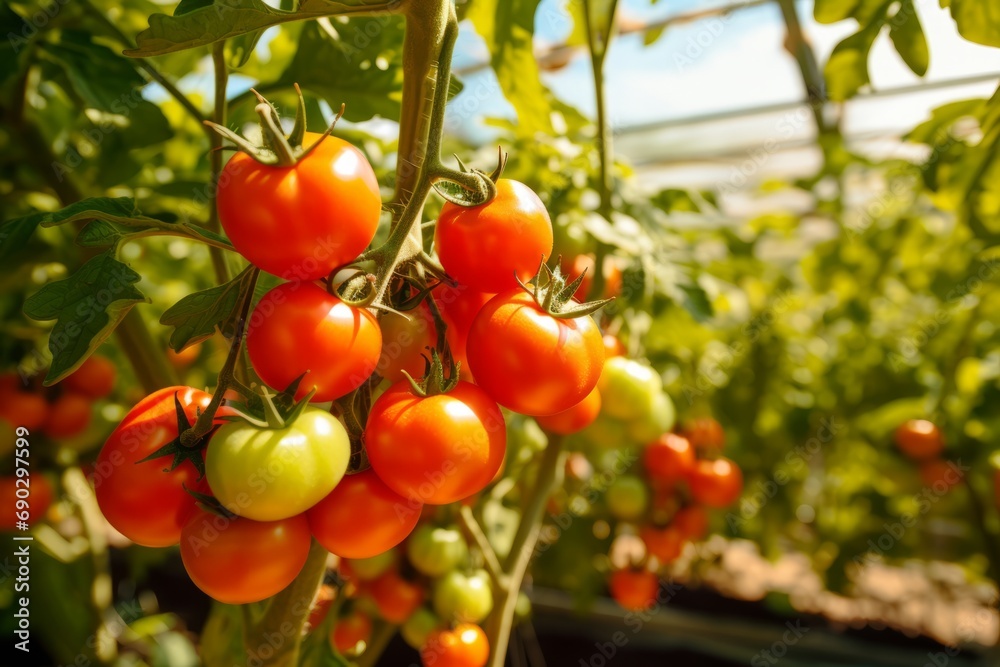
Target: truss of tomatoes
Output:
[(245, 501)]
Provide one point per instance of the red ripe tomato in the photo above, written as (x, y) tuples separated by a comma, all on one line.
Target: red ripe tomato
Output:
[(405, 339), (299, 327), (531, 362), (612, 276), (692, 522), (485, 246), (395, 597), (437, 449), (33, 492), (69, 415), (459, 306), (141, 500), (304, 221), (670, 458), (717, 483), (705, 434), (940, 475), (350, 633), (664, 543), (919, 439), (634, 589), (464, 646), (613, 347), (362, 517), (238, 561), (577, 418), (185, 357), (94, 378), (21, 408)]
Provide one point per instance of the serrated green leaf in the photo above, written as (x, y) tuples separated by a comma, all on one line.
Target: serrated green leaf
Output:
[(87, 307), (846, 71), (103, 79), (224, 19), (977, 20), (349, 66), (507, 27), (198, 315), (15, 233), (908, 38), (103, 233)]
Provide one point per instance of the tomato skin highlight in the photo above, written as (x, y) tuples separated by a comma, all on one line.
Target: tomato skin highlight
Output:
[(299, 327), (362, 517), (144, 503), (304, 221), (513, 230), (531, 362), (438, 449), (717, 483), (919, 439), (613, 347), (272, 474), (464, 646), (238, 561), (577, 418)]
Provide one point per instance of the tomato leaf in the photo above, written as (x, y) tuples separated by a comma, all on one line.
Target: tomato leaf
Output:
[(977, 20), (352, 67), (15, 233), (831, 11), (908, 38), (507, 27), (197, 316), (87, 307), (696, 302), (200, 24), (846, 71)]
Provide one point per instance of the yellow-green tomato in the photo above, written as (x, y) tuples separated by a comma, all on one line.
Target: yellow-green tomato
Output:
[(463, 598), (627, 498), (627, 387), (418, 627), (434, 551), (658, 420), (272, 474)]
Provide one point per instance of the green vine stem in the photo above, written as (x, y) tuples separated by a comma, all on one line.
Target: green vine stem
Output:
[(227, 376), (215, 139), (285, 615), (598, 43), (516, 564)]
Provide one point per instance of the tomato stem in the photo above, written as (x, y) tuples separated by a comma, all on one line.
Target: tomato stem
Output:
[(215, 141), (516, 563), (473, 531)]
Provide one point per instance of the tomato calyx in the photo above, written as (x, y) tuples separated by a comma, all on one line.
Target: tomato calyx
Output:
[(440, 376), (211, 504), (276, 411), (553, 292), (480, 189), (278, 149), (179, 451)]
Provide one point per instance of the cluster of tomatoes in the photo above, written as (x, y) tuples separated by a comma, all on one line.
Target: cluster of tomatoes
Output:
[(921, 441), (428, 587), (245, 500)]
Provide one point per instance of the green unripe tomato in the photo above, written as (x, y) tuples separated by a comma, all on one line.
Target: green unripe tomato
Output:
[(627, 498), (605, 431), (463, 598), (433, 550), (367, 569), (522, 608), (418, 626), (273, 474), (627, 387), (650, 426)]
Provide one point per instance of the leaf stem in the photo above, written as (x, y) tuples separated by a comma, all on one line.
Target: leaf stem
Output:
[(215, 141), (472, 529)]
